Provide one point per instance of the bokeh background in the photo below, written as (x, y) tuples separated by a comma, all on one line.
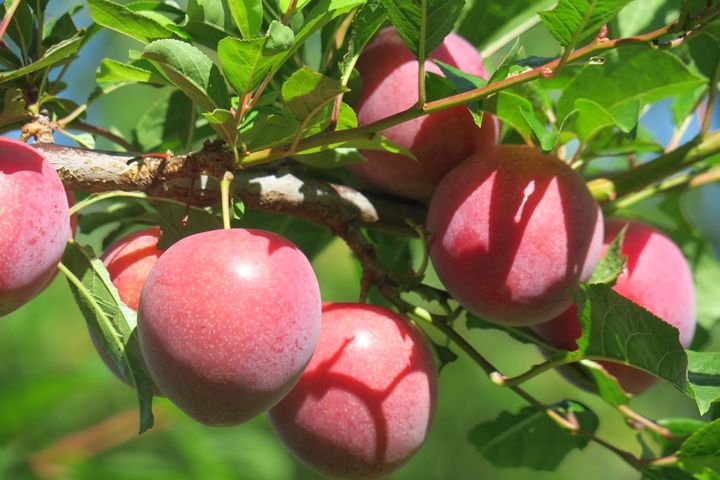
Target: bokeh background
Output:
[(63, 415)]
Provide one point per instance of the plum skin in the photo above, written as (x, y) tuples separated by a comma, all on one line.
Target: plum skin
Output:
[(512, 232), (389, 72), (34, 220), (365, 403), (129, 261), (228, 320), (657, 277)]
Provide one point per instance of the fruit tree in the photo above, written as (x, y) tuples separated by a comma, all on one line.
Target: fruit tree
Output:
[(367, 238)]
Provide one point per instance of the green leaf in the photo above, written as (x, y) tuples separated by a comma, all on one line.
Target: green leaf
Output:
[(167, 122), (443, 354), (365, 25), (464, 82), (112, 71), (279, 37), (573, 21), (57, 30), (629, 75), (613, 262), (244, 62), (271, 129), (247, 15), (490, 25), (175, 225), (508, 106), (12, 108), (110, 321), (592, 117), (704, 377), (121, 19), (305, 92), (323, 12), (21, 27), (59, 53), (608, 387), (615, 328), (701, 451), (223, 122), (191, 71), (436, 18), (336, 157), (546, 138), (531, 439), (117, 211)]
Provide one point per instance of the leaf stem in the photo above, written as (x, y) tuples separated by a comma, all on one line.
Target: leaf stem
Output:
[(503, 381), (422, 54), (645, 422)]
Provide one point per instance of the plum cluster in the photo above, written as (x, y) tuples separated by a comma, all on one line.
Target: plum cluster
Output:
[(231, 322)]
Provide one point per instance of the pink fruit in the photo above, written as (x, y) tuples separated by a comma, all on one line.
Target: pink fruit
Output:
[(365, 403), (33, 221), (228, 320), (657, 277), (512, 232), (129, 261), (439, 140)]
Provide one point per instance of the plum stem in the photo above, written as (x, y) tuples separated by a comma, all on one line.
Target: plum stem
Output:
[(503, 381), (225, 184)]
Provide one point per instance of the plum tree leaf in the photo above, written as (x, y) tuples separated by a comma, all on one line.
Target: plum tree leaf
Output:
[(245, 62), (306, 91), (612, 264), (704, 378), (110, 321), (322, 13), (177, 224), (191, 71), (443, 354), (531, 439), (464, 82), (140, 71), (573, 21), (701, 451), (223, 122), (123, 20), (247, 15), (365, 24), (434, 18), (21, 26), (58, 53), (279, 37), (12, 107), (490, 25), (615, 328), (166, 123), (591, 117), (607, 385), (629, 75)]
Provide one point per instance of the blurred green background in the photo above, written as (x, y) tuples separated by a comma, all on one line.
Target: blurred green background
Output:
[(63, 415)]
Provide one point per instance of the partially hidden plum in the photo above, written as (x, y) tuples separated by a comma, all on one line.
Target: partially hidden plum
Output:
[(512, 232), (440, 140), (657, 277), (34, 221), (365, 403)]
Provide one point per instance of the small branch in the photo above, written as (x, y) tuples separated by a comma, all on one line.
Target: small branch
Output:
[(8, 18), (710, 108), (225, 183), (422, 54), (102, 132), (289, 12), (644, 422), (503, 381)]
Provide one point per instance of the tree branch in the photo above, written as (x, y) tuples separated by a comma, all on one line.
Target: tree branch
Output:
[(337, 207)]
